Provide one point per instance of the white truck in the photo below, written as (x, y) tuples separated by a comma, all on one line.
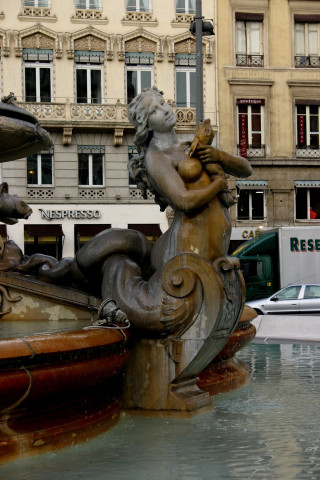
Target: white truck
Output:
[(278, 257)]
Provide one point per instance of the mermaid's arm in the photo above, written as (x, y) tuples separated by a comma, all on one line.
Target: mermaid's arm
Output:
[(237, 166)]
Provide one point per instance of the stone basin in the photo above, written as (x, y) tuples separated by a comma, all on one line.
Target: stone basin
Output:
[(20, 133)]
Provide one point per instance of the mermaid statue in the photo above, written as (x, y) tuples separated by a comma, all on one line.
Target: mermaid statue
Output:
[(185, 282)]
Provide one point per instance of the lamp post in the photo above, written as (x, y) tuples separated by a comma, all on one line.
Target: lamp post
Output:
[(200, 28)]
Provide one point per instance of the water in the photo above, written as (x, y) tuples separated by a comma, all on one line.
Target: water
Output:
[(22, 328), (268, 429)]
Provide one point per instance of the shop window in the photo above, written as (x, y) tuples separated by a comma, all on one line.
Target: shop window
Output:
[(307, 201), (84, 232), (138, 6), (151, 231), (88, 4), (139, 73), (39, 169), (251, 127), (37, 75), (307, 128), (249, 45), (89, 75), (45, 239), (306, 41), (251, 204), (185, 80), (185, 6), (90, 165)]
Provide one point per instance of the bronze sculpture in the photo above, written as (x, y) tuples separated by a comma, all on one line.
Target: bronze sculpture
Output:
[(201, 225), (184, 292)]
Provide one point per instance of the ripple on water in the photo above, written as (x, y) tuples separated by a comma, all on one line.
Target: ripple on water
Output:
[(268, 429)]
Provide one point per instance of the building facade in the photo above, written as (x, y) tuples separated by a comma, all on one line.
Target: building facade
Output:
[(269, 100), (76, 65)]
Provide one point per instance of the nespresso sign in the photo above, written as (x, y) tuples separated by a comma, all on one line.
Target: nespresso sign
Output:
[(69, 214)]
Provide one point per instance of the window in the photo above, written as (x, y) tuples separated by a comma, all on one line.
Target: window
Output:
[(36, 3), (250, 127), (88, 4), (306, 41), (185, 80), (91, 162), (307, 201), (45, 239), (185, 6), (307, 122), (39, 169), (249, 49), (251, 199), (89, 74), (138, 5), (37, 75), (289, 293), (312, 291), (139, 73)]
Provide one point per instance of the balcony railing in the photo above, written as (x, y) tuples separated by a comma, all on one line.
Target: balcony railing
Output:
[(307, 152), (307, 61), (243, 60), (109, 114), (253, 152)]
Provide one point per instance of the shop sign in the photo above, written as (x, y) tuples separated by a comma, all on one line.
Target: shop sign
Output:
[(250, 233), (69, 214)]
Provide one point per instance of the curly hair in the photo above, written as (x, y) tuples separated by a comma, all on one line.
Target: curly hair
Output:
[(138, 116)]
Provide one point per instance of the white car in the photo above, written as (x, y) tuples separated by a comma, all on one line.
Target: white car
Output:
[(300, 299)]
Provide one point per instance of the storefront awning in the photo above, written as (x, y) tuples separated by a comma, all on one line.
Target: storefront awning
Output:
[(54, 230), (90, 230), (151, 229)]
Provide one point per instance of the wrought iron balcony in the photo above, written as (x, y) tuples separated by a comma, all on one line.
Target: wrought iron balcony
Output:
[(307, 152), (254, 152), (307, 61), (243, 60)]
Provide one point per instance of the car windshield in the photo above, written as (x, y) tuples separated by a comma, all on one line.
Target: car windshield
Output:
[(289, 293)]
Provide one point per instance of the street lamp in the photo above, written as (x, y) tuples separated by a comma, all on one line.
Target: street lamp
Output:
[(200, 28)]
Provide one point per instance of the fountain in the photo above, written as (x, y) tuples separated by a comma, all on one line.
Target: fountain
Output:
[(161, 324)]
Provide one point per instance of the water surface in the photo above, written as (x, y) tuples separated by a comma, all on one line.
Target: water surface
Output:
[(268, 429)]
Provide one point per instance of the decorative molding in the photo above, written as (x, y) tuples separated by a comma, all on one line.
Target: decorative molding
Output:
[(182, 19), (140, 40), (303, 83), (5, 42), (117, 137), (139, 18), (33, 14), (84, 15), (66, 136), (185, 43), (90, 39), (38, 36), (250, 81)]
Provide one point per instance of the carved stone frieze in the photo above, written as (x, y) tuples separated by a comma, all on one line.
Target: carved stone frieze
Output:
[(90, 39), (90, 42), (5, 42), (140, 41), (185, 43), (38, 37)]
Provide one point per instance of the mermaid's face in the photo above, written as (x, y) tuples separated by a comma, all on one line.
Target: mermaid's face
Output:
[(161, 117)]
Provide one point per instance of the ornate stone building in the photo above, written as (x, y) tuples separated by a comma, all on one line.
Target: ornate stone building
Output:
[(76, 65), (269, 107)]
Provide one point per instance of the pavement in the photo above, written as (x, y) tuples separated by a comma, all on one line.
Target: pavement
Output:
[(287, 328)]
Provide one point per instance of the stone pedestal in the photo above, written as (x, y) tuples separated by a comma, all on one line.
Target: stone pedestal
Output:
[(148, 380)]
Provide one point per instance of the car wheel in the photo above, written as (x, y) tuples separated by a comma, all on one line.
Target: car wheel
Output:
[(259, 312)]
